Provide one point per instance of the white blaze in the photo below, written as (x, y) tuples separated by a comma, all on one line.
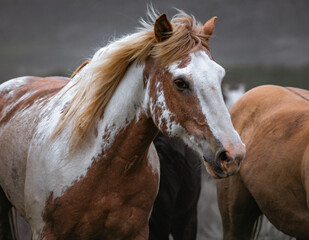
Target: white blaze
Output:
[(206, 76)]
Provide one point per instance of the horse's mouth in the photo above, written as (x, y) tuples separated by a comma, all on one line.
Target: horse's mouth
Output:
[(210, 170)]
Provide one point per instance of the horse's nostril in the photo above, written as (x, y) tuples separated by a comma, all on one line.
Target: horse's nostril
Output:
[(224, 157)]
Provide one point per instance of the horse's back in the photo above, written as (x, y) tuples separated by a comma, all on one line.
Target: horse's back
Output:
[(267, 101), (20, 103), (274, 111), (273, 122)]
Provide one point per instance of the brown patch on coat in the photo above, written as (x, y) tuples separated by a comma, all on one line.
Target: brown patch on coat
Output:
[(41, 89), (114, 199), (147, 70), (184, 62)]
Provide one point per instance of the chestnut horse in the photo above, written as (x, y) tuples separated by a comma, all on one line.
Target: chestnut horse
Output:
[(273, 180), (77, 158)]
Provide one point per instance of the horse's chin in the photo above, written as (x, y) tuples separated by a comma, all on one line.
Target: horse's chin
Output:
[(212, 172)]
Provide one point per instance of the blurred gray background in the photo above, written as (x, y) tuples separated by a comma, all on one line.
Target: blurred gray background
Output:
[(258, 42)]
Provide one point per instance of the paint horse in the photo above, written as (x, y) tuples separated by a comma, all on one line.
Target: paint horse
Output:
[(77, 159), (273, 180)]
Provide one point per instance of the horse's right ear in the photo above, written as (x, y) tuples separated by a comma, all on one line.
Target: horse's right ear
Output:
[(162, 28)]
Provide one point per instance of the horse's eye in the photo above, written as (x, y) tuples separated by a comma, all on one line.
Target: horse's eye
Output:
[(181, 84)]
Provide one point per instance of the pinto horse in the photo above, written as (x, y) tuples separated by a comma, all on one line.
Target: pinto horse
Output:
[(273, 180), (77, 158)]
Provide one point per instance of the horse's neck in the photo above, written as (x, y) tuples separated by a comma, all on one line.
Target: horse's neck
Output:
[(125, 128), (126, 131), (127, 105), (126, 114)]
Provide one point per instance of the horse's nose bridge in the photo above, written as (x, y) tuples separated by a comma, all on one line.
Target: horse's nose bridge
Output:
[(229, 144)]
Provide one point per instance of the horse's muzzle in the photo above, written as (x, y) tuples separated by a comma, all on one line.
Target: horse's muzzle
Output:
[(226, 161)]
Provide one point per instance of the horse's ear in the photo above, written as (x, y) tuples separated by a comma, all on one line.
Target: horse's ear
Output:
[(209, 26), (162, 28)]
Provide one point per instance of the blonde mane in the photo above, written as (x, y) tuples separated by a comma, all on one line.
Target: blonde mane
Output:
[(96, 84)]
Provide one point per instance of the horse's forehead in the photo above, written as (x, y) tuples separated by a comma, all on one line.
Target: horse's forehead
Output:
[(199, 66), (186, 60)]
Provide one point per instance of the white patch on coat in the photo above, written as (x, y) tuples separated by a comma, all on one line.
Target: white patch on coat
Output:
[(153, 160), (173, 129), (13, 149), (10, 87)]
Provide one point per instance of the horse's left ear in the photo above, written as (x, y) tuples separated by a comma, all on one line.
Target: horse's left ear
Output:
[(162, 28), (209, 26)]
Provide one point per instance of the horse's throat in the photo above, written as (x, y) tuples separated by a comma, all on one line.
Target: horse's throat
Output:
[(133, 141)]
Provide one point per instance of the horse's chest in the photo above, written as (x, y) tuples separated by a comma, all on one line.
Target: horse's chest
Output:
[(110, 202)]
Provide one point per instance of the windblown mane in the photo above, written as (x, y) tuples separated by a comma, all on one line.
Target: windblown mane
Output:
[(97, 83)]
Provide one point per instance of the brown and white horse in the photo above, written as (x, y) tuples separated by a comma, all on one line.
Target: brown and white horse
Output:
[(273, 180), (77, 159)]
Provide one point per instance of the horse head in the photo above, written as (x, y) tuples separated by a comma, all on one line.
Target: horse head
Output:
[(184, 96)]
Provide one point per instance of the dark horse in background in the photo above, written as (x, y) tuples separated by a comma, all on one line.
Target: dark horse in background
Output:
[(273, 180), (175, 208)]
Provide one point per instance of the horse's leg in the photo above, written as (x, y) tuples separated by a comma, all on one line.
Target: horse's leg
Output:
[(5, 206), (238, 209)]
